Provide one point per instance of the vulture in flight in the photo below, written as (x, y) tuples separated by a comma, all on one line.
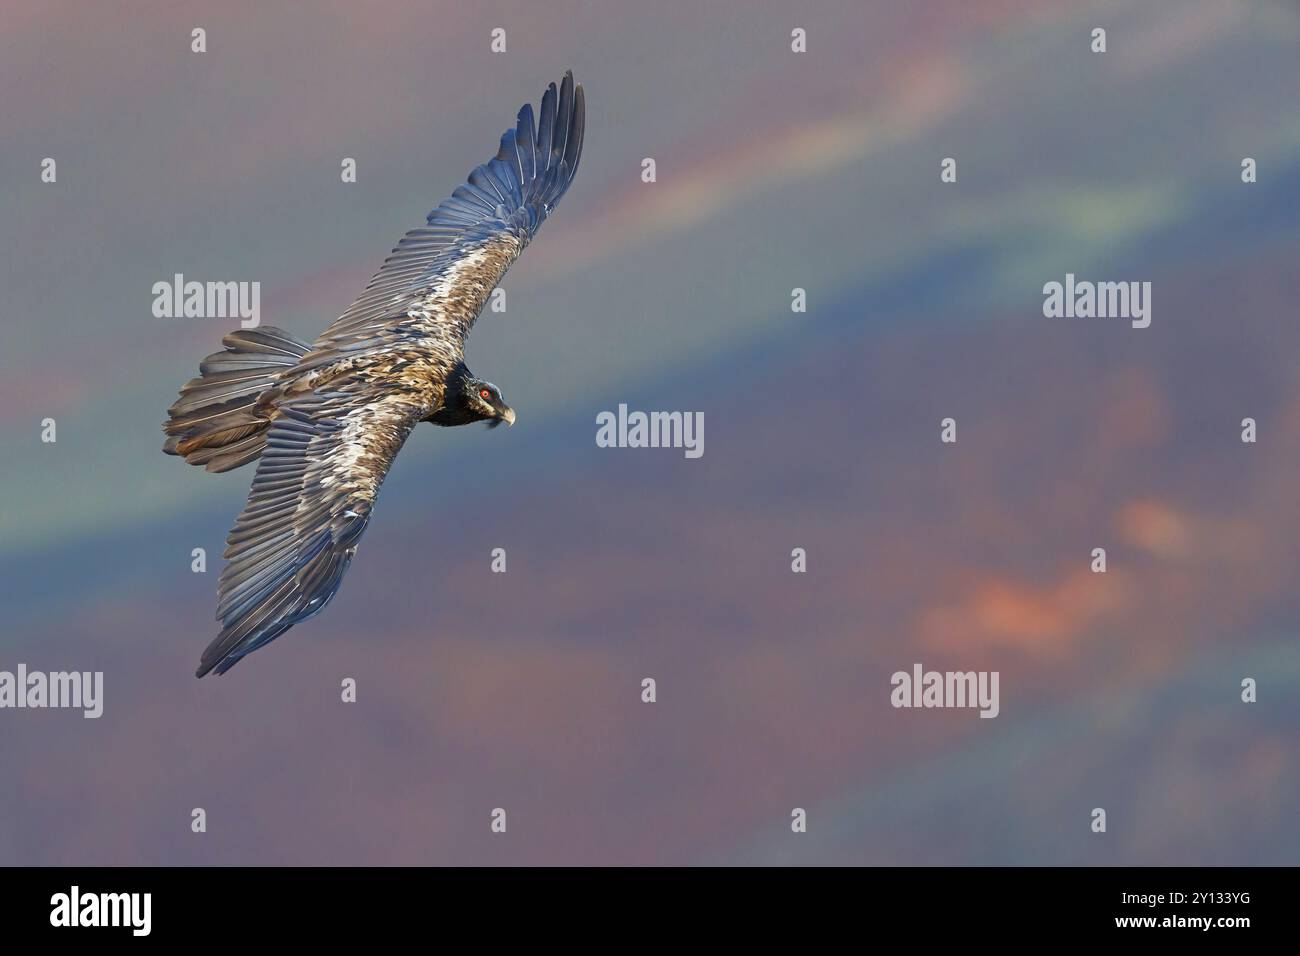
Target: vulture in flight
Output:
[(324, 421)]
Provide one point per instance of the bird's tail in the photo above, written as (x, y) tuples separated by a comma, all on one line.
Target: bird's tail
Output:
[(218, 421)]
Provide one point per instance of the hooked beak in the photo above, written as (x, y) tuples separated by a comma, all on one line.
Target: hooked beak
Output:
[(508, 415)]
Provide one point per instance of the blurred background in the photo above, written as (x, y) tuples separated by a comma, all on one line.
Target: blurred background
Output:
[(776, 170)]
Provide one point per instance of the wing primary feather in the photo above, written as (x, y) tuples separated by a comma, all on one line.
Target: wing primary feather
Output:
[(563, 116), (546, 130), (526, 133)]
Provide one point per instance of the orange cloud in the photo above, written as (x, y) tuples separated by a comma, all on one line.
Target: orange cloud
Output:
[(1003, 612)]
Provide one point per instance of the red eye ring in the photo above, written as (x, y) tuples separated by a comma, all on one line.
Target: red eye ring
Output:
[(484, 393)]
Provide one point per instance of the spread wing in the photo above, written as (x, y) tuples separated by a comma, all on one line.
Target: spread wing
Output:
[(438, 277), (316, 482)]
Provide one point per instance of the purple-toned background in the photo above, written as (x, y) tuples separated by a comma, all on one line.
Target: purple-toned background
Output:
[(776, 170)]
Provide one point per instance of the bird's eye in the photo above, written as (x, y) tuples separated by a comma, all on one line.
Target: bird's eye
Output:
[(484, 393)]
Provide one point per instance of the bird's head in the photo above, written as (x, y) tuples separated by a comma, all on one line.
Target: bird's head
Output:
[(485, 400)]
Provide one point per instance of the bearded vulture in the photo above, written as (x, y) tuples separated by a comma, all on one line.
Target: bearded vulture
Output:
[(324, 421)]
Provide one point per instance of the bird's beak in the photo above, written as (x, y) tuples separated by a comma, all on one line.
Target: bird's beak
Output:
[(508, 416)]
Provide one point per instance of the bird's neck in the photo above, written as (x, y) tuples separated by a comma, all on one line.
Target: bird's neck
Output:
[(455, 408)]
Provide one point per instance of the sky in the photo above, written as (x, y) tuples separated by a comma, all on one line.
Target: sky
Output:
[(775, 170)]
